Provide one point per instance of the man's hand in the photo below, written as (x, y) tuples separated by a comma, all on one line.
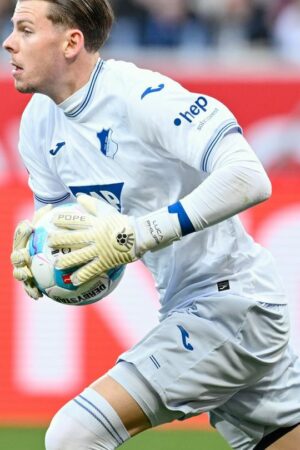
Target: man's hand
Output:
[(20, 255), (105, 239)]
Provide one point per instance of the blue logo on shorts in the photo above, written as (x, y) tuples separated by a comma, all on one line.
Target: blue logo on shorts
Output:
[(185, 335)]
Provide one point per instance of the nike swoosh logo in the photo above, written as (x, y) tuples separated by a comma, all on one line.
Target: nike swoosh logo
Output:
[(185, 335), (151, 90), (59, 145)]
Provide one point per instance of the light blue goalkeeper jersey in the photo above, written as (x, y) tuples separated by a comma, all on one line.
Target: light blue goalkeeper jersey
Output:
[(140, 141)]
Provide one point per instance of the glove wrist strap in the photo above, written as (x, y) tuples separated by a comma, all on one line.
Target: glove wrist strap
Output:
[(156, 230)]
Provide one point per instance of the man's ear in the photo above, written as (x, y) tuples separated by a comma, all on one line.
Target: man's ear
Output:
[(74, 43)]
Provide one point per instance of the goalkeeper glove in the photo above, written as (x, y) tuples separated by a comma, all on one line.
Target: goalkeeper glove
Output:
[(108, 239), (20, 257)]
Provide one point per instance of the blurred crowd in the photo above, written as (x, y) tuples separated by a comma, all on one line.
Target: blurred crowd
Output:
[(199, 24), (210, 24)]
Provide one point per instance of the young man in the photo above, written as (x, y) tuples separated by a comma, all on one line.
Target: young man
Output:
[(174, 170)]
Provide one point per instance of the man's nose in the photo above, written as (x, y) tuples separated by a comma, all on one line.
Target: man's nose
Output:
[(9, 43)]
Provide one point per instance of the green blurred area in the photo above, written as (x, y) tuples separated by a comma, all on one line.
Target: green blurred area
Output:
[(176, 440), (33, 439)]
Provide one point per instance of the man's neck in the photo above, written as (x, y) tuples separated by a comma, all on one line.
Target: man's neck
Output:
[(76, 76)]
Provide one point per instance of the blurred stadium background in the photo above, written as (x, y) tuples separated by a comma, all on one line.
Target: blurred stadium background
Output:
[(244, 52)]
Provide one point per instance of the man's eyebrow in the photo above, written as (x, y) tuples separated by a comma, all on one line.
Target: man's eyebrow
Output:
[(22, 21)]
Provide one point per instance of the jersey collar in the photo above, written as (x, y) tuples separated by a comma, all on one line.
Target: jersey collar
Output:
[(74, 105)]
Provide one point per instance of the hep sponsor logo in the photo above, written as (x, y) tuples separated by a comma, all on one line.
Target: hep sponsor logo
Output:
[(194, 110)]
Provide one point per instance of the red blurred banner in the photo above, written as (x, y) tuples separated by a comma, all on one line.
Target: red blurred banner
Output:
[(50, 352)]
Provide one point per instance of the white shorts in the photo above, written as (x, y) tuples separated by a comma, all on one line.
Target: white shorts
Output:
[(229, 357)]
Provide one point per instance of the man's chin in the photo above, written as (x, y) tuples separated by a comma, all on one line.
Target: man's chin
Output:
[(23, 89)]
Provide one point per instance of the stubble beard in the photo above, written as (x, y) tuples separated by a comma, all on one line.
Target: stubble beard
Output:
[(25, 89)]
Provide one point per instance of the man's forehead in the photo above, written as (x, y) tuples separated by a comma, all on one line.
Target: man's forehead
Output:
[(30, 10), (34, 8)]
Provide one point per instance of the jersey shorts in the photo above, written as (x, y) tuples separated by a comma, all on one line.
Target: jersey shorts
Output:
[(229, 357)]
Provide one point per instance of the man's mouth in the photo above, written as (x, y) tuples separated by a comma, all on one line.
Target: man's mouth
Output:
[(16, 68)]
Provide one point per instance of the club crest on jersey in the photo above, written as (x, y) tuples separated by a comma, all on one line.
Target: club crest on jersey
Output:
[(108, 147)]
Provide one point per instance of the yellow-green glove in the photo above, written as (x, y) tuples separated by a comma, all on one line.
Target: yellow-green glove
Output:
[(20, 255), (108, 239)]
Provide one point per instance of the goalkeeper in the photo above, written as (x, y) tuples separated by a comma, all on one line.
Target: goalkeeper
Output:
[(162, 174)]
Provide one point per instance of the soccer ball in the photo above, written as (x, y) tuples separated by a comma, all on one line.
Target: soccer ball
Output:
[(55, 283)]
